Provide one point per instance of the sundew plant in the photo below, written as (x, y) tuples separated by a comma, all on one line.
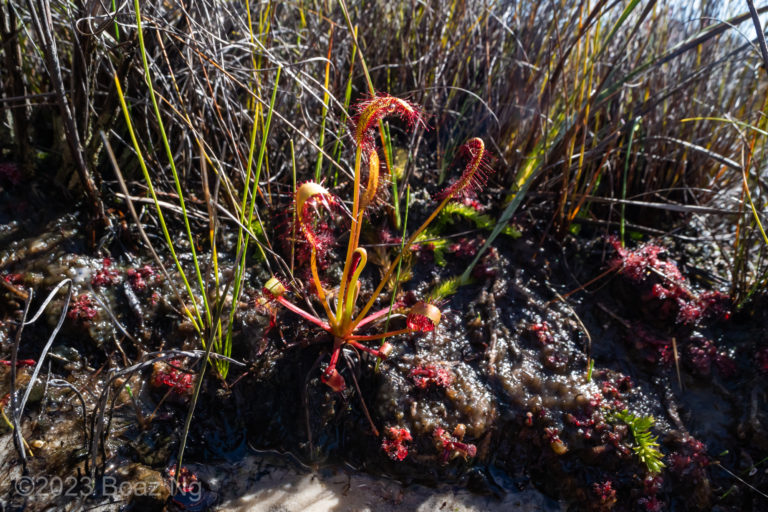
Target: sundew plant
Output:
[(344, 319)]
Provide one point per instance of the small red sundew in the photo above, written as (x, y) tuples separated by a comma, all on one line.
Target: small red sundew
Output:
[(394, 443), (451, 446), (372, 110), (714, 305), (106, 276), (465, 247), (543, 333), (605, 493), (666, 287), (428, 374), (638, 264), (475, 174), (138, 276), (82, 309), (690, 460), (610, 391), (166, 376), (701, 356)]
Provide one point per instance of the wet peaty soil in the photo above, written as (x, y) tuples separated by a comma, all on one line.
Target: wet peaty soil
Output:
[(526, 395)]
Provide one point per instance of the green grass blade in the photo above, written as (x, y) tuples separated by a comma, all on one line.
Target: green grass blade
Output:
[(169, 154)]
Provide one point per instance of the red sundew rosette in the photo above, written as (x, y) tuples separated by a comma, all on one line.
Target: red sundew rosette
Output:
[(423, 317), (431, 374), (452, 446), (394, 443)]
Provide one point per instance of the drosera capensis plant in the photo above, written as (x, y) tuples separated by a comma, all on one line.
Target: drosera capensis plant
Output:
[(343, 320)]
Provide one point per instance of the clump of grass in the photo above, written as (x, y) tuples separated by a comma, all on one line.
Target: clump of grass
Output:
[(621, 114)]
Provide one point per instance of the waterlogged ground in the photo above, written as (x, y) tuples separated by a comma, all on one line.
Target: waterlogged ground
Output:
[(498, 408)]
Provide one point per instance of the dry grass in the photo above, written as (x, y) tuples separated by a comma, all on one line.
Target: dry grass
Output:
[(628, 113)]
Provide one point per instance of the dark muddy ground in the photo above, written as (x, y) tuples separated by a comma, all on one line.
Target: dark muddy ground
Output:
[(500, 403)]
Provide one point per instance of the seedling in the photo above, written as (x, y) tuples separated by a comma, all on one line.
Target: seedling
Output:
[(343, 320)]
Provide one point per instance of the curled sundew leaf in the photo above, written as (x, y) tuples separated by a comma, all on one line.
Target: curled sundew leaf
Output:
[(423, 317), (373, 180), (310, 190), (307, 195), (370, 111), (475, 173), (274, 287)]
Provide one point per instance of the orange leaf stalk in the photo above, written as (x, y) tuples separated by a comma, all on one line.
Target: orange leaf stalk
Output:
[(472, 180)]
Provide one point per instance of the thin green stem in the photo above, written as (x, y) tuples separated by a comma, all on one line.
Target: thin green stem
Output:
[(198, 321), (241, 238), (171, 161)]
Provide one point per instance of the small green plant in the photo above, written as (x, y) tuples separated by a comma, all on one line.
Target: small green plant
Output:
[(644, 444), (343, 320)]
